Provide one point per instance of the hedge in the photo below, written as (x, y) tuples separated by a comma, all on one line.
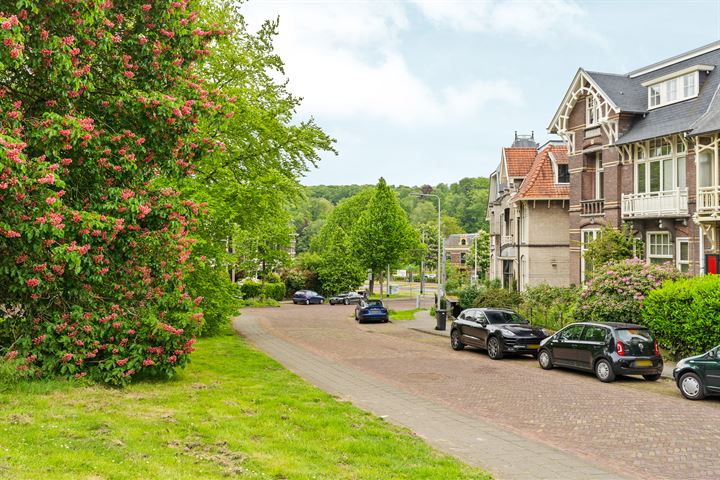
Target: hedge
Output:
[(685, 314), (252, 289), (276, 291)]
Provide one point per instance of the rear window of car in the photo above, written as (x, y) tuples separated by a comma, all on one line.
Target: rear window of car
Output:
[(375, 303), (635, 335)]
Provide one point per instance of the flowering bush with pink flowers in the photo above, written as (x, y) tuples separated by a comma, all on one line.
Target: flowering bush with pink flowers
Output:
[(100, 109), (617, 290)]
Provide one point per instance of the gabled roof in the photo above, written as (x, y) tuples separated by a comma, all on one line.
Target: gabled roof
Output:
[(453, 240), (518, 160), (626, 93), (539, 184)]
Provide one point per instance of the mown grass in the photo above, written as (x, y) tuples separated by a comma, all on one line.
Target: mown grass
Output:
[(405, 314), (234, 412)]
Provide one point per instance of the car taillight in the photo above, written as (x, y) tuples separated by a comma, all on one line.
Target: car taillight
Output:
[(657, 349), (620, 348)]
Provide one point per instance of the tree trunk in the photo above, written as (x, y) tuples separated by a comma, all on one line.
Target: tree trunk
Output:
[(371, 284), (380, 279)]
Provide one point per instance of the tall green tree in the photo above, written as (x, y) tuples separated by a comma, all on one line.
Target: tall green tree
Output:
[(340, 269), (345, 215), (383, 236)]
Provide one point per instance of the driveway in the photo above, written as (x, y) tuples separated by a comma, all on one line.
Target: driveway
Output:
[(549, 424)]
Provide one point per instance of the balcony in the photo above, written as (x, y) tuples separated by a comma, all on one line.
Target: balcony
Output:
[(708, 203), (507, 240), (592, 208), (670, 203)]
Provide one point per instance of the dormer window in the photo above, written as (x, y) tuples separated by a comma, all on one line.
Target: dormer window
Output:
[(563, 173), (675, 87)]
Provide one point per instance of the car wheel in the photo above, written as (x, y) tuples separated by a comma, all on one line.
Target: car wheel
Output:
[(386, 320), (652, 378), (493, 348), (346, 302), (604, 371), (307, 302), (455, 342), (545, 360), (691, 387), (294, 302)]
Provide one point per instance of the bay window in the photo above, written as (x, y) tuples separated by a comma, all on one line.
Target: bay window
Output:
[(662, 169)]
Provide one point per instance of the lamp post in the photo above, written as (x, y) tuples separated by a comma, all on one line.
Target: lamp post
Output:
[(475, 277), (439, 248)]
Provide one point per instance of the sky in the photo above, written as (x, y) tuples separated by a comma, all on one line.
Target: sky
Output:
[(429, 91)]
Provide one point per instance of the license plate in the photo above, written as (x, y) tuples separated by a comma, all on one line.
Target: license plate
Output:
[(643, 363), (533, 347)]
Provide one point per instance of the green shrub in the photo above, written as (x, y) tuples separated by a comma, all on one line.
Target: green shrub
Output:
[(498, 297), (275, 291), (218, 296), (251, 289), (548, 306), (617, 290), (685, 314), (467, 296)]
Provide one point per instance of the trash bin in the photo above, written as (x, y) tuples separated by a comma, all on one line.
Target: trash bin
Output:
[(441, 316)]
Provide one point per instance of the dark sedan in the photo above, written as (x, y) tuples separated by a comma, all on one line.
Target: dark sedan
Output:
[(699, 376), (371, 310), (606, 348), (307, 297), (499, 331), (345, 298)]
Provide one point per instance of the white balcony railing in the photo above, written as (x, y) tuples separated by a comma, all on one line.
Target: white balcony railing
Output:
[(669, 203), (708, 201), (506, 240)]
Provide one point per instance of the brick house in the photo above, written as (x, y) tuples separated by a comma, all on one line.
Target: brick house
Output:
[(643, 150), (528, 192), (457, 248)]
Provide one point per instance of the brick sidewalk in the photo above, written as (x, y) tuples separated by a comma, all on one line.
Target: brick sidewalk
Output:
[(505, 454)]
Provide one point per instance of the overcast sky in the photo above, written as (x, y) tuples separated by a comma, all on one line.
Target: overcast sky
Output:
[(423, 91)]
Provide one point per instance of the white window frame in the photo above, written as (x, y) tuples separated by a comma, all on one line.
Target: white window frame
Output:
[(644, 155), (659, 93), (679, 262), (599, 173), (595, 231), (666, 257), (592, 112)]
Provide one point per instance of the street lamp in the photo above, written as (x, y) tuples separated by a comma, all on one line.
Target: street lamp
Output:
[(439, 278), (475, 277)]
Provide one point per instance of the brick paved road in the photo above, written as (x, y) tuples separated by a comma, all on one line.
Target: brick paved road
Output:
[(558, 424)]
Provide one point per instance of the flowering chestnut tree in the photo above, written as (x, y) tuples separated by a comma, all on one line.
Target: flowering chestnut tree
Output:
[(100, 103)]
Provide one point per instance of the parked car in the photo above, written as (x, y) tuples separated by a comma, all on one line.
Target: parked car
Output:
[(497, 330), (307, 297), (371, 310), (699, 376), (606, 348), (346, 298)]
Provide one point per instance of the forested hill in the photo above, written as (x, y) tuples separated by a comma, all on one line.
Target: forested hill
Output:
[(463, 206)]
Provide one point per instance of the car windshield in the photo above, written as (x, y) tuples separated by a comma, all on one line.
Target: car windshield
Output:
[(500, 317), (375, 303), (635, 335), (311, 294)]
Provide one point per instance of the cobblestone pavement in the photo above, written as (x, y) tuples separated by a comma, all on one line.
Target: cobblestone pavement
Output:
[(555, 424)]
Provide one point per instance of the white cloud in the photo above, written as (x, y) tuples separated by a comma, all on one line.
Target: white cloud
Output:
[(344, 59), (535, 19)]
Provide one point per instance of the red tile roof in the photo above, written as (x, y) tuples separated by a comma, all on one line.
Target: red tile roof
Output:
[(519, 160), (539, 182)]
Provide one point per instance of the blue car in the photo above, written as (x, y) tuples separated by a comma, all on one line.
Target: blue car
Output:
[(371, 310), (307, 297)]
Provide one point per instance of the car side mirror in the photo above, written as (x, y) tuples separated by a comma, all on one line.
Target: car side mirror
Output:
[(714, 352)]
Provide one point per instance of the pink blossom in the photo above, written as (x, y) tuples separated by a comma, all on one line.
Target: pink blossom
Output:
[(32, 282)]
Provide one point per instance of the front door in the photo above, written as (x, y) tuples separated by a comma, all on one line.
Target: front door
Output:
[(566, 348)]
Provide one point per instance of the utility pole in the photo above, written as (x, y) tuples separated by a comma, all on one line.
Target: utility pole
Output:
[(439, 245)]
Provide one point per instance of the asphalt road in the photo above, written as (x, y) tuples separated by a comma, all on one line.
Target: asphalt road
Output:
[(632, 428)]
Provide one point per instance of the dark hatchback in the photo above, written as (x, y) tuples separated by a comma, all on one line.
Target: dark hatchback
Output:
[(371, 310), (499, 331), (606, 348), (699, 376), (307, 297)]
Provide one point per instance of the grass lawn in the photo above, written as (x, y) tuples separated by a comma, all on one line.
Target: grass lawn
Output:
[(405, 314), (234, 412)]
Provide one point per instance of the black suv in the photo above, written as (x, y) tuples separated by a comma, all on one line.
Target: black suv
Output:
[(497, 330), (606, 348), (699, 375)]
